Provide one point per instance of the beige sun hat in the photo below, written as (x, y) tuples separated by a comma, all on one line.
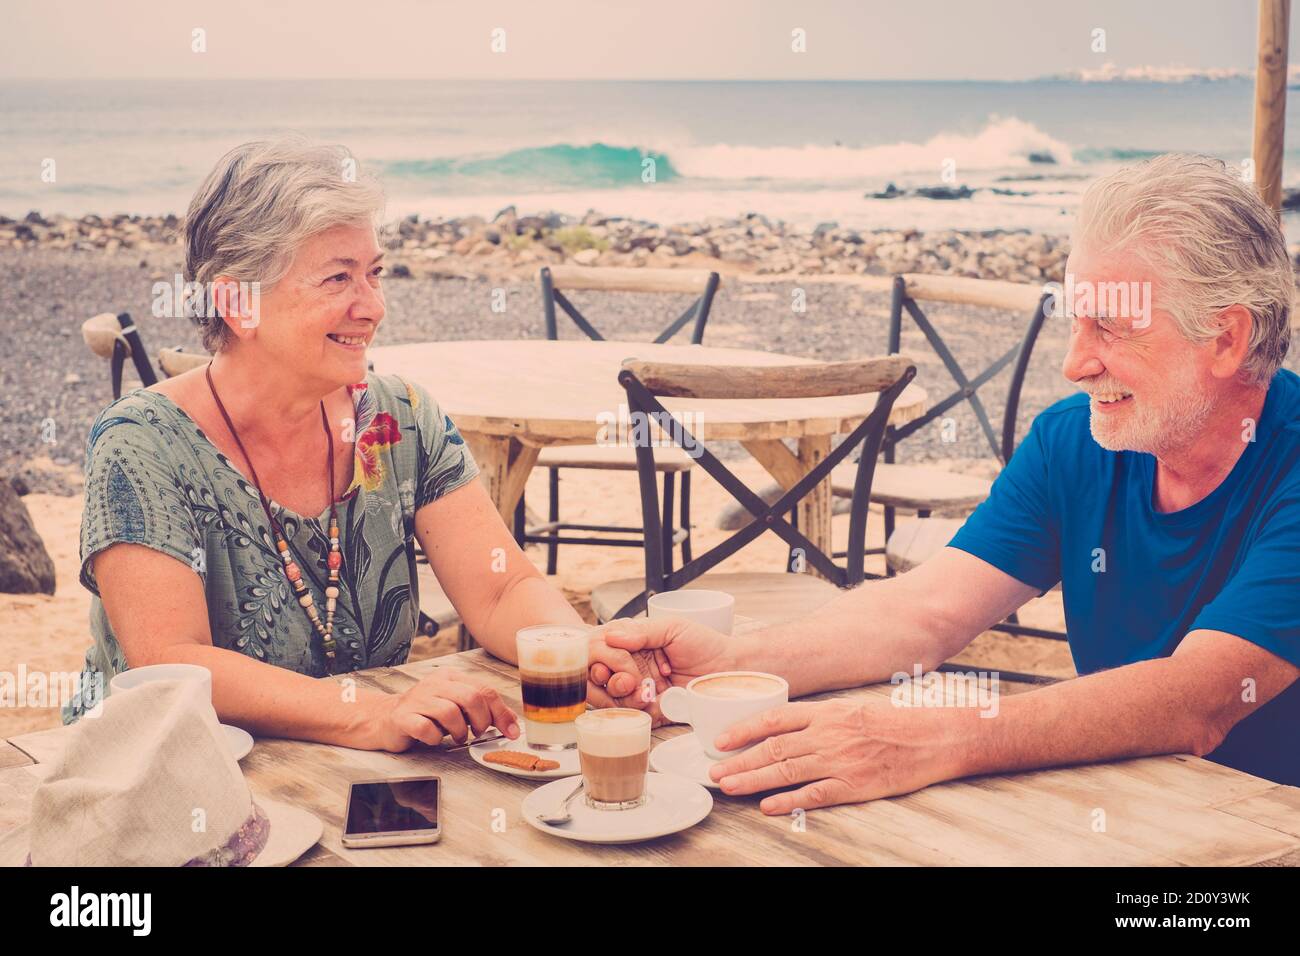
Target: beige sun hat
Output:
[(150, 781)]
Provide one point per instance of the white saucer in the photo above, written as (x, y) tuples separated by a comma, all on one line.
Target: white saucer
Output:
[(240, 741), (684, 757), (567, 758), (672, 804)]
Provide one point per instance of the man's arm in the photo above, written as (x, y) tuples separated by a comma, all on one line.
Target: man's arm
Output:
[(882, 627), (1185, 703), (847, 751)]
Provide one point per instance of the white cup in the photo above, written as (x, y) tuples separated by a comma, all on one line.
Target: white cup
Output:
[(136, 676), (710, 715), (715, 609)]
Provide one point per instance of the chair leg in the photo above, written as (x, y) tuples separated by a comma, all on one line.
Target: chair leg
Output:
[(889, 533), (790, 558), (553, 513), (520, 521), (686, 517), (667, 526)]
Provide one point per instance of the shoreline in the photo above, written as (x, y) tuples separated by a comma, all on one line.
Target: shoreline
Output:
[(513, 246)]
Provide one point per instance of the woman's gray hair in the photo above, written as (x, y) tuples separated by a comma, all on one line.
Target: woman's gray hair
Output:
[(259, 203), (1209, 234)]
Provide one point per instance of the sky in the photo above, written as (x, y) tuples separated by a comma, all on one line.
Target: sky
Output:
[(619, 39)]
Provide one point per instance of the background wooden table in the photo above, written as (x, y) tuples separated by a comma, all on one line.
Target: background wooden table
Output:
[(1158, 811), (510, 399)]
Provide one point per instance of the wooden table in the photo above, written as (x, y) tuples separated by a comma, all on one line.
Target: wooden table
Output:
[(510, 399), (1159, 811)]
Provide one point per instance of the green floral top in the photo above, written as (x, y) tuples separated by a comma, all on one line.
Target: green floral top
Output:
[(153, 478)]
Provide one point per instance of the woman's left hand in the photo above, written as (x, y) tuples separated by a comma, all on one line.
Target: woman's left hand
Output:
[(614, 675)]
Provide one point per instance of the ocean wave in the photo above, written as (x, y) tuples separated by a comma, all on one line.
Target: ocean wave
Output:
[(1091, 155), (560, 165), (1003, 143)]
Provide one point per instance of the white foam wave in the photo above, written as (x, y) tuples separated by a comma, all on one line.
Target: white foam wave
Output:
[(1003, 142)]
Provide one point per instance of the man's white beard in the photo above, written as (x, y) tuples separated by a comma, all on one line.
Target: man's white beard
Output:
[(1155, 430)]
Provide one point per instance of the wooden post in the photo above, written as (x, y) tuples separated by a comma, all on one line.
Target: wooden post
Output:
[(1270, 98)]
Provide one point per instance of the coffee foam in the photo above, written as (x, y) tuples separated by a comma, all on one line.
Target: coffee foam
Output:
[(552, 650), (737, 686), (603, 733)]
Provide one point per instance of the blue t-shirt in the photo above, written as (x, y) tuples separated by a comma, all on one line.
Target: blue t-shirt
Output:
[(1064, 508)]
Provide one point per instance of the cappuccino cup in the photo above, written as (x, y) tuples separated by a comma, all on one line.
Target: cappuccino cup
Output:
[(713, 702), (715, 609)]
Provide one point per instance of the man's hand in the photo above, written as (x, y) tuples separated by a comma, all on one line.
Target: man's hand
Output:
[(614, 674), (668, 652), (842, 751)]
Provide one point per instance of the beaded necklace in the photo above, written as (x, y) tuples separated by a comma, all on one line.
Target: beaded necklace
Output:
[(291, 570)]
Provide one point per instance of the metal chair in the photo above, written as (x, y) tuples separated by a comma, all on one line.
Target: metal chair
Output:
[(912, 541), (554, 281), (793, 593)]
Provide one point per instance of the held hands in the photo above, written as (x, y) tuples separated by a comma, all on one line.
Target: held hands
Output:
[(664, 652), (439, 706), (841, 751)]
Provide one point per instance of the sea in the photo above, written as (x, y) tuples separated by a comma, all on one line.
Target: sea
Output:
[(1016, 154)]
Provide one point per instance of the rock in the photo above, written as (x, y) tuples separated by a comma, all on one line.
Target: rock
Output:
[(824, 229), (25, 566), (72, 378), (587, 257), (20, 485), (531, 226), (1042, 157), (638, 242), (945, 192), (890, 192), (401, 271)]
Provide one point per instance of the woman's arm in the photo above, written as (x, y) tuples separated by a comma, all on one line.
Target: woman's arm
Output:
[(495, 589), (159, 614)]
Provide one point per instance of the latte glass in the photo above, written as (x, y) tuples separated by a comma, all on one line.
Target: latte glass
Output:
[(614, 752), (553, 678)]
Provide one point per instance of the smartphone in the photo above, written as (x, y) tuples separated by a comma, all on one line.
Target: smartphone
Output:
[(397, 811)]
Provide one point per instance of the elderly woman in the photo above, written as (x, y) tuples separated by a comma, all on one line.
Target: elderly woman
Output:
[(256, 515)]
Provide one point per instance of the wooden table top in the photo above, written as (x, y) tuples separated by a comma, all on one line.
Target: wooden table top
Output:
[(545, 392), (1158, 811)]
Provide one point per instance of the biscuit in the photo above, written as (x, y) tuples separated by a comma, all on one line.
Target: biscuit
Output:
[(520, 760)]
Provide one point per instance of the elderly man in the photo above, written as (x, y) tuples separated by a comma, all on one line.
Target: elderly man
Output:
[(1165, 500)]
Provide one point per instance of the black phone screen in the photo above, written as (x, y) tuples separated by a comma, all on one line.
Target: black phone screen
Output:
[(394, 805)]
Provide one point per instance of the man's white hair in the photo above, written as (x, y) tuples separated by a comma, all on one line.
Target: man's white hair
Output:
[(259, 203), (1210, 236)]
